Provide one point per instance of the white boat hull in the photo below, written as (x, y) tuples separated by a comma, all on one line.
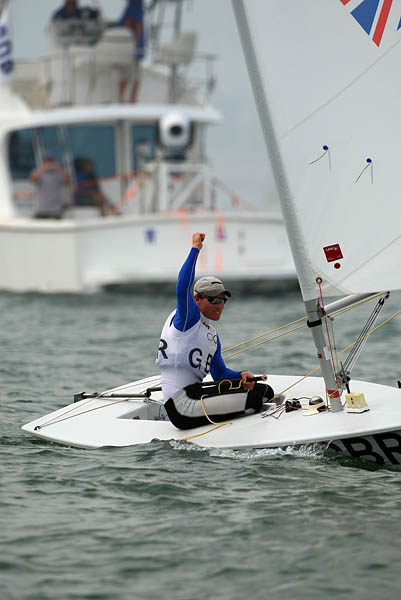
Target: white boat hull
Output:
[(76, 256), (374, 435)]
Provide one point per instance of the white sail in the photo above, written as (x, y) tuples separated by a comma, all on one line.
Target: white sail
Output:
[(325, 75)]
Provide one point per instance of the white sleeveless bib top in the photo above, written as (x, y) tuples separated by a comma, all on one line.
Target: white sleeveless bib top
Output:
[(184, 357)]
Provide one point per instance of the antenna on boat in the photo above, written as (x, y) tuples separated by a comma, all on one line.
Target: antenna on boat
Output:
[(177, 31), (179, 49)]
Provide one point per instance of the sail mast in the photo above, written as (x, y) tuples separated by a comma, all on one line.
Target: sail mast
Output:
[(302, 261)]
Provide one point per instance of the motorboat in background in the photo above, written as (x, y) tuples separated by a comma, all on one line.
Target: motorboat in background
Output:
[(149, 156)]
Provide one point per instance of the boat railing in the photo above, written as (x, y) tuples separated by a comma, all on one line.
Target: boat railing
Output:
[(160, 187), (91, 72), (164, 186)]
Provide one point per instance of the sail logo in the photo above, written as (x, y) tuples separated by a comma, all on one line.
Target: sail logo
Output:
[(372, 16)]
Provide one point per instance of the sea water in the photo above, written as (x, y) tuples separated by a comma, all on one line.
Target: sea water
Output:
[(170, 520)]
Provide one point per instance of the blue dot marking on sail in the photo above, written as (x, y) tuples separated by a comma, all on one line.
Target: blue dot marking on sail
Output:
[(326, 150), (369, 163)]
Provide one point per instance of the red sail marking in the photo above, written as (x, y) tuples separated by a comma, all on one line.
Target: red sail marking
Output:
[(381, 23), (333, 252)]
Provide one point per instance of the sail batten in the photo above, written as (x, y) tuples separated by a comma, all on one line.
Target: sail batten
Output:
[(327, 92), (339, 93)]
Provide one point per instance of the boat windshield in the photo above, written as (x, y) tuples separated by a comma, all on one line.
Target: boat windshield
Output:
[(75, 145), (66, 145)]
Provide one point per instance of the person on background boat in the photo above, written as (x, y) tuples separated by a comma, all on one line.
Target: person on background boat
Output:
[(50, 179), (87, 188), (132, 18), (190, 348), (69, 10)]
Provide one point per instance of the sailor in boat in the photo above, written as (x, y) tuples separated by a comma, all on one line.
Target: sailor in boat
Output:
[(190, 348), (50, 178)]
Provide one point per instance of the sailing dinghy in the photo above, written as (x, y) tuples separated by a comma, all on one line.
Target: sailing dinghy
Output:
[(324, 77)]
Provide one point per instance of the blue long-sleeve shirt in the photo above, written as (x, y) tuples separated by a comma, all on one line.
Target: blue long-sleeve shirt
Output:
[(131, 15), (188, 314)]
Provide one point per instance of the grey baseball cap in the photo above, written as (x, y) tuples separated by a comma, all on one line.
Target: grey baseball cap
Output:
[(210, 286)]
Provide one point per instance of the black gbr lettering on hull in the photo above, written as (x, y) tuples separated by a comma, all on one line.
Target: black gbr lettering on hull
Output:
[(381, 448)]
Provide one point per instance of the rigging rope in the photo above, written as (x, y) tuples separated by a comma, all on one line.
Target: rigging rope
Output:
[(363, 336), (63, 416), (263, 334), (66, 415), (336, 312), (70, 416), (338, 354), (190, 437), (264, 342)]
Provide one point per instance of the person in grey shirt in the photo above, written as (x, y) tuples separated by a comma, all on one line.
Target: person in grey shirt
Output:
[(50, 178)]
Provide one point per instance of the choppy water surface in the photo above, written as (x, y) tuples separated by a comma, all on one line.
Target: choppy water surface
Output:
[(169, 520)]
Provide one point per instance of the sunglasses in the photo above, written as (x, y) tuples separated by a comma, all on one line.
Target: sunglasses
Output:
[(214, 300)]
